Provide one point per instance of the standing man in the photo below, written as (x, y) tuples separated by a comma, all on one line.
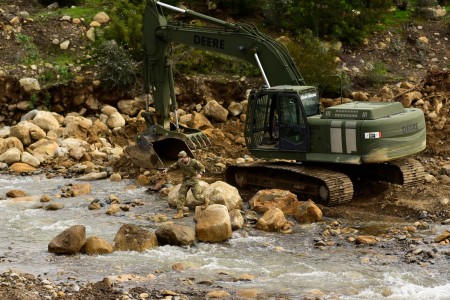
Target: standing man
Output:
[(191, 170)]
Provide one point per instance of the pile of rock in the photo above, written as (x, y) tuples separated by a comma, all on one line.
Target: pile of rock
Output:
[(45, 138)]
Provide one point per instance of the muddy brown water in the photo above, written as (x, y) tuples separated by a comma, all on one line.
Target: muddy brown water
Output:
[(286, 265)]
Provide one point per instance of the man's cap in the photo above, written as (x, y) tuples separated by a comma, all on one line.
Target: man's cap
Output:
[(182, 154)]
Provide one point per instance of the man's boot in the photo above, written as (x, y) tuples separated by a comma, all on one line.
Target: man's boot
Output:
[(179, 214), (205, 205)]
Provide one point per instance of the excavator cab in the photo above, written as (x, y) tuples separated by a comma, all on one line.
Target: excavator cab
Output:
[(277, 119)]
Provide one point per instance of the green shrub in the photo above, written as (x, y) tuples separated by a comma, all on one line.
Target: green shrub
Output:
[(117, 68), (60, 74), (126, 28), (62, 2)]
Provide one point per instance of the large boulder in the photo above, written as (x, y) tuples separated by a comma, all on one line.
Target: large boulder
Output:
[(134, 238), (237, 220), (115, 120), (96, 245), (30, 84), (199, 121), (70, 143), (131, 107), (78, 189), (27, 132), (11, 142), (213, 224), (46, 121), (20, 167), (308, 212), (221, 192), (22, 133), (191, 202), (46, 148), (30, 159), (11, 156), (215, 111), (272, 220), (70, 241), (264, 200), (77, 127), (175, 235), (5, 131)]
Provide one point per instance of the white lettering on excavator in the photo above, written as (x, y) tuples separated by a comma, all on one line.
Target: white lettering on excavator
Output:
[(209, 42)]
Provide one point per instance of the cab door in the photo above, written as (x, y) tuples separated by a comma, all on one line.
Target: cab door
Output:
[(293, 127)]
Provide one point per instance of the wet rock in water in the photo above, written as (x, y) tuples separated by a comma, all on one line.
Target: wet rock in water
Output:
[(237, 220), (143, 180), (133, 238), (442, 237), (95, 205), (70, 241), (191, 202), (223, 193), (308, 212), (115, 177), (213, 224), (113, 209), (96, 245), (16, 194), (125, 207), (93, 176), (217, 294), (54, 206), (157, 181), (26, 199), (263, 200), (272, 220), (45, 198), (175, 235), (366, 240), (159, 218), (78, 189)]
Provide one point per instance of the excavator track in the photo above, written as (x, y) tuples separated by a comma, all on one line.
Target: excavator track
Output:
[(330, 184), (412, 170), (327, 187)]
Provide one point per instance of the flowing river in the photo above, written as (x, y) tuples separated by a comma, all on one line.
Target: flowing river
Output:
[(279, 265)]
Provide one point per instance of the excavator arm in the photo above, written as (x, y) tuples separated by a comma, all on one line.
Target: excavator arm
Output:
[(233, 39)]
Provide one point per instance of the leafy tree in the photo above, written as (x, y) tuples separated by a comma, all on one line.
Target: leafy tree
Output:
[(346, 20), (316, 63)]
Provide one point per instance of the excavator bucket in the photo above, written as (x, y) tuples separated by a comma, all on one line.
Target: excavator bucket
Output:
[(157, 148)]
